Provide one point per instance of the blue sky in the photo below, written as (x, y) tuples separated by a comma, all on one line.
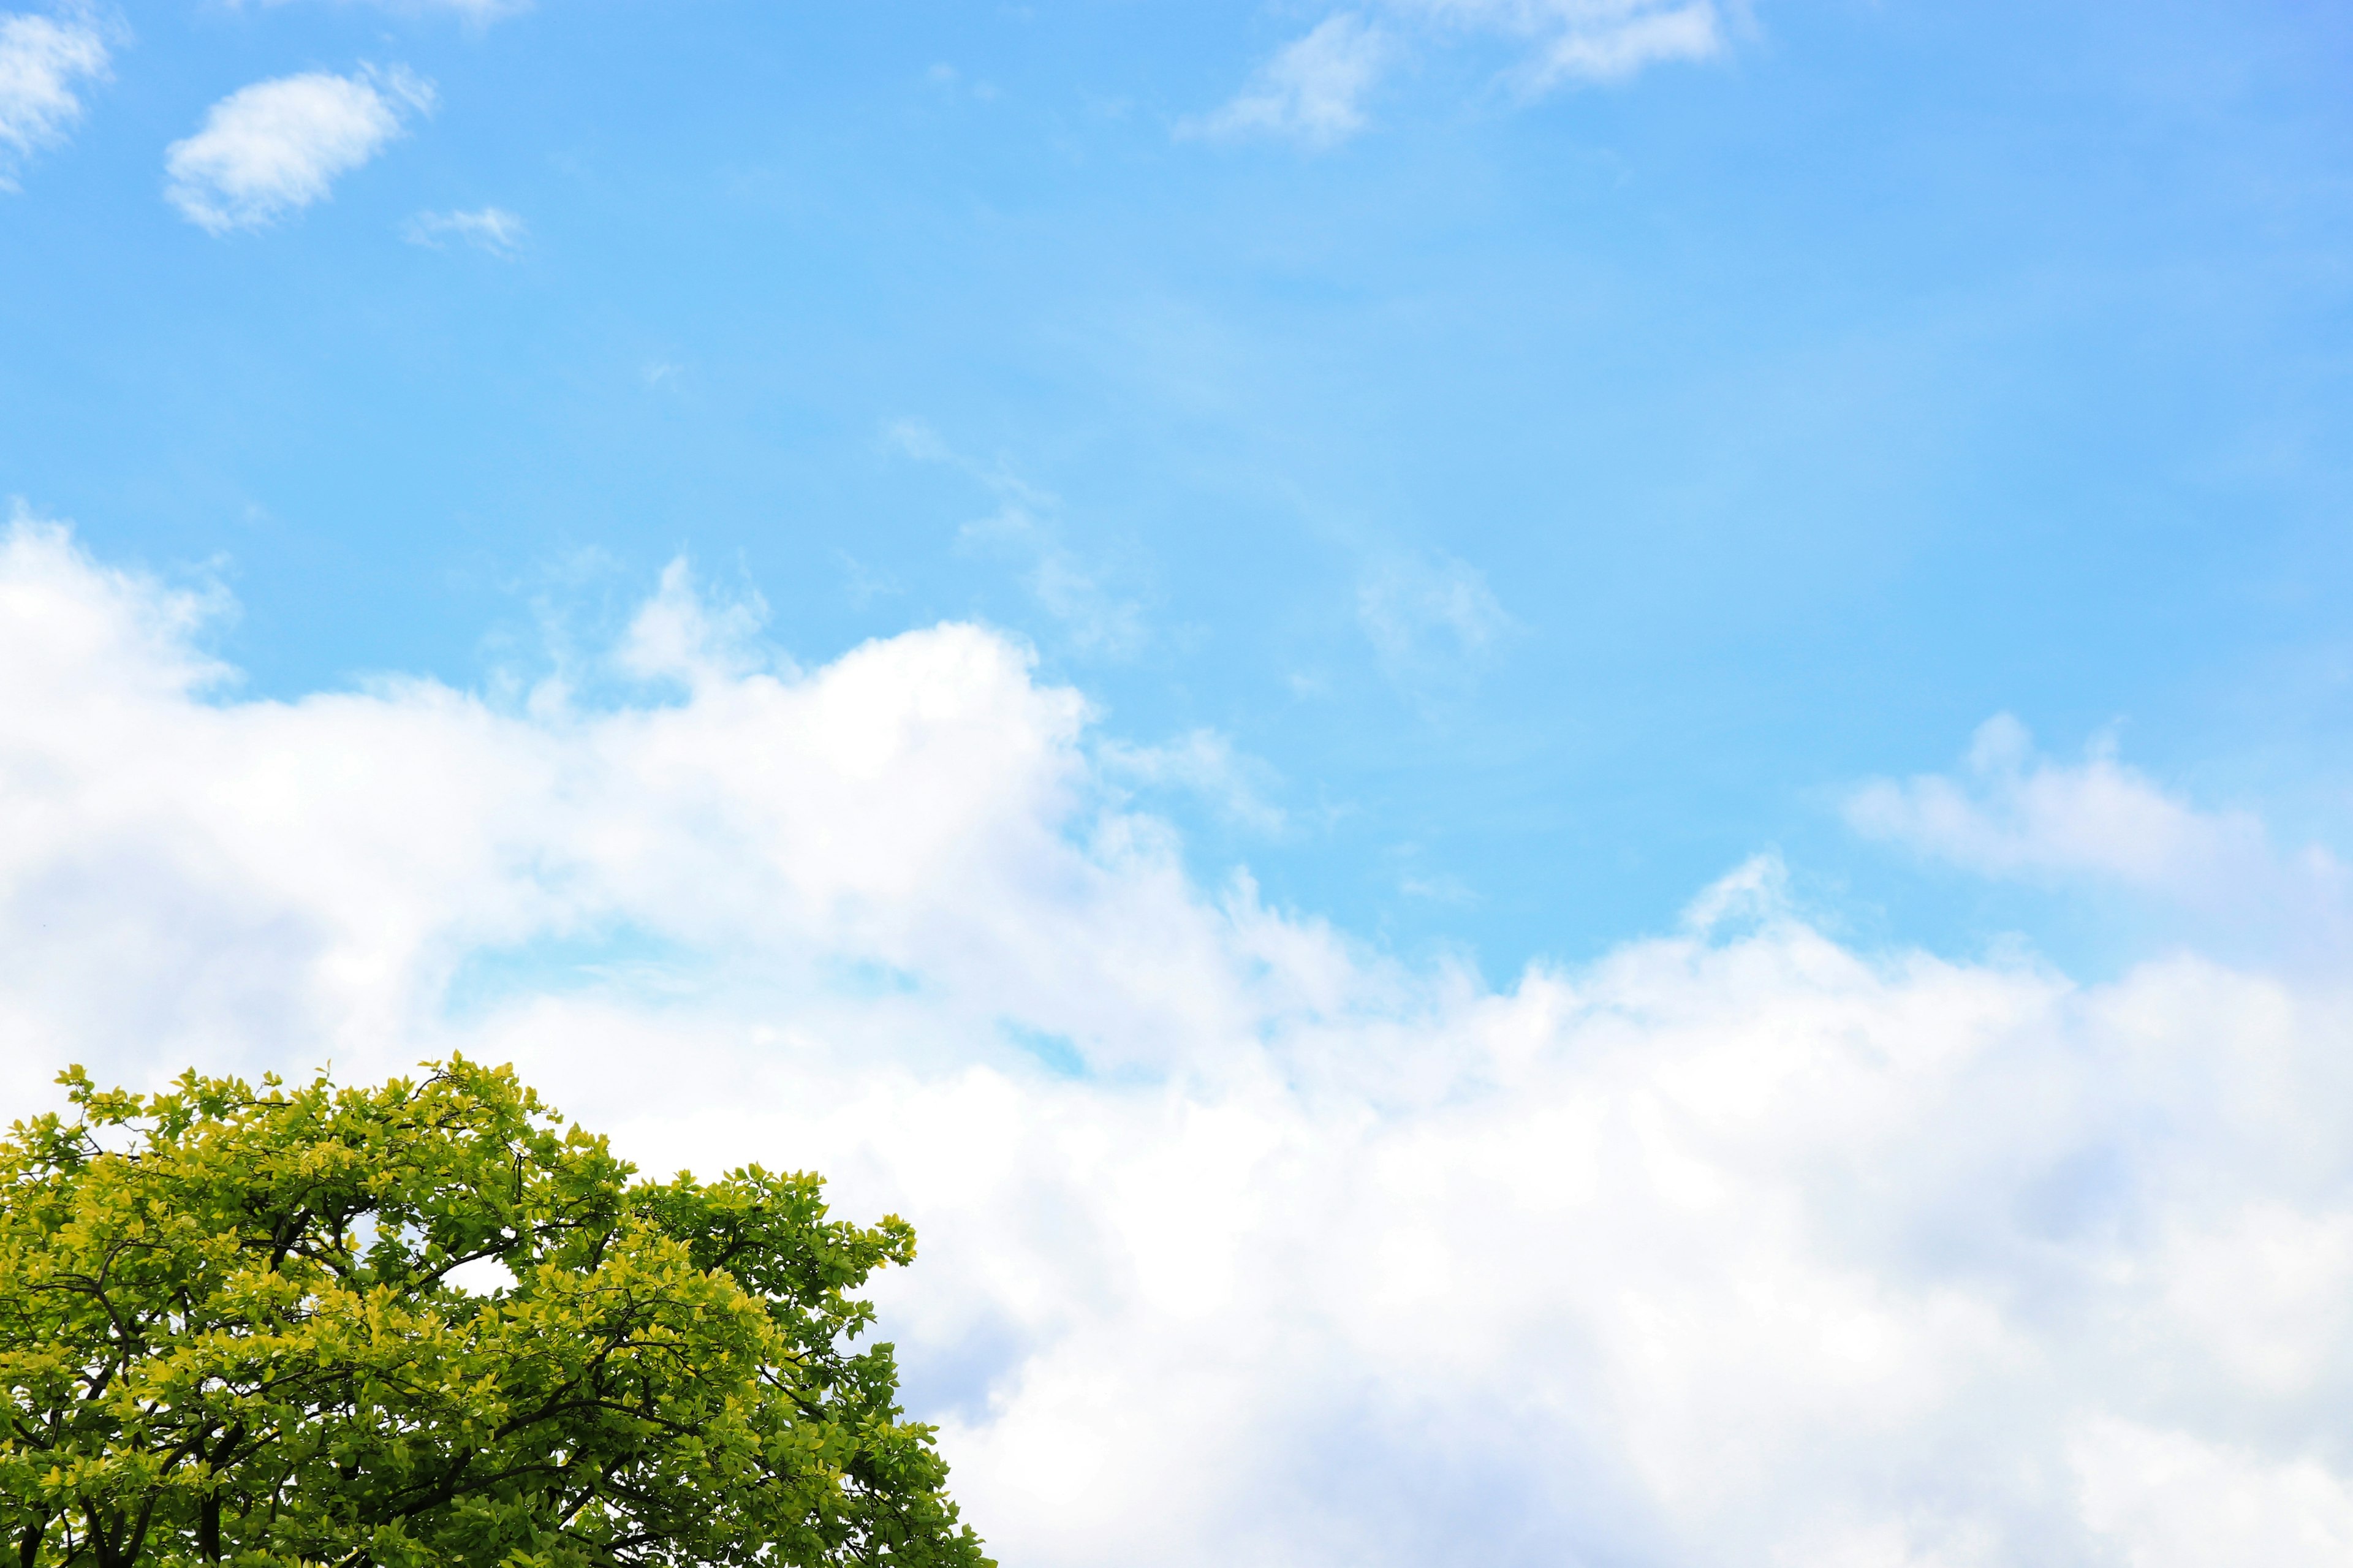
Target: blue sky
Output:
[(1773, 418), (1696, 532)]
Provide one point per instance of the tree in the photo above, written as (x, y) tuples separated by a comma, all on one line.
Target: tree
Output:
[(229, 1332)]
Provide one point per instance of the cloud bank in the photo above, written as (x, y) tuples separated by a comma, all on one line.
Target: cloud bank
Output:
[(1241, 1242), (44, 62), (274, 147)]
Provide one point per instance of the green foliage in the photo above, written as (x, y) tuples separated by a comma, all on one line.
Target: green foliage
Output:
[(228, 1332)]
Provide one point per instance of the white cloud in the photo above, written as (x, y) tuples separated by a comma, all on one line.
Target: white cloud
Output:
[(2172, 1501), (43, 60), (1735, 1247), (2014, 812), (493, 229), (1312, 91), (684, 635), (278, 146)]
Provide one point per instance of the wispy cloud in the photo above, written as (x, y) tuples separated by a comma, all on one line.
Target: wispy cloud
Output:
[(1314, 90), (862, 583), (945, 78), (1073, 591), (1430, 617), (1076, 591), (493, 229), (1204, 763), (913, 438), (277, 146), (44, 63)]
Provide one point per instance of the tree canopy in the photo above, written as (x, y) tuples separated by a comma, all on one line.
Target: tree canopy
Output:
[(229, 1332)]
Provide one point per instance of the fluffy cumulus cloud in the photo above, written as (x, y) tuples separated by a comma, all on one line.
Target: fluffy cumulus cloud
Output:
[(45, 62), (1242, 1243), (1315, 90), (277, 146)]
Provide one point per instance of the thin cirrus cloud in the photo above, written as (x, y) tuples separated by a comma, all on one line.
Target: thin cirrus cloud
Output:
[(1314, 90), (1736, 1245), (493, 229), (45, 61), (274, 147)]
